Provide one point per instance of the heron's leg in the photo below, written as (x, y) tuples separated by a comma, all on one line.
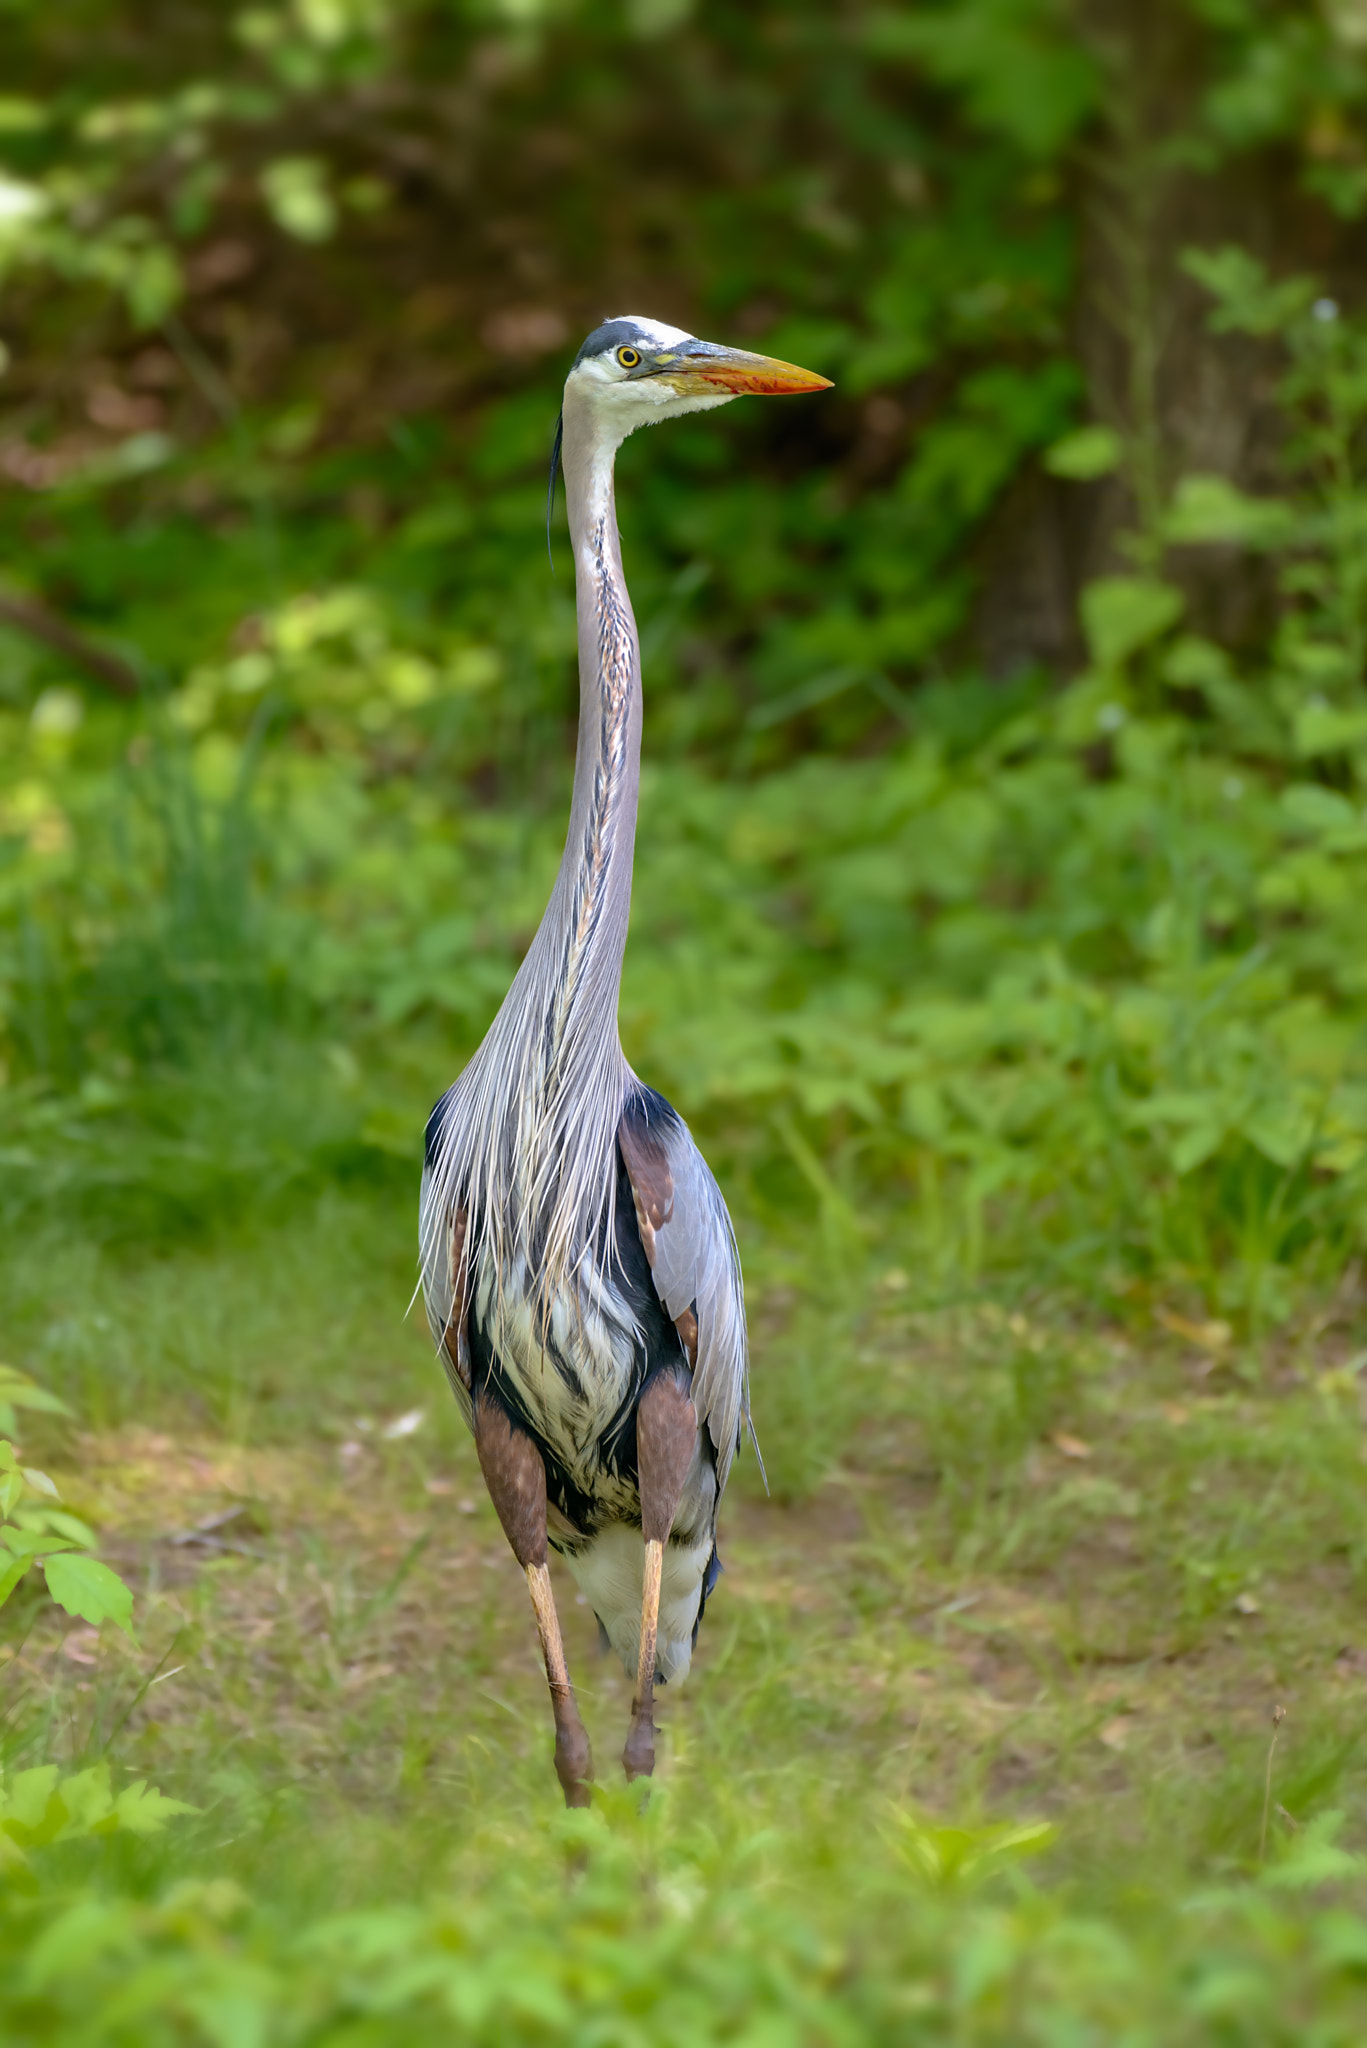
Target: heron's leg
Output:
[(516, 1479), (666, 1433)]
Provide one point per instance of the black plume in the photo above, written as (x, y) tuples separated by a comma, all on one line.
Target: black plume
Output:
[(550, 489)]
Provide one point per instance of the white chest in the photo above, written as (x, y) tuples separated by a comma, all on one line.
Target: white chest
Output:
[(572, 1362)]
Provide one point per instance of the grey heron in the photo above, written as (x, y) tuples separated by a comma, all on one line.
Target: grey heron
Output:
[(579, 1267)]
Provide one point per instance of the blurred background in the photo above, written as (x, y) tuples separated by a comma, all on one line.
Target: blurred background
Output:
[(997, 920), (1003, 709)]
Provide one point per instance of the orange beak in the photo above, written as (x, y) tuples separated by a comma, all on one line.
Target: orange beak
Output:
[(736, 370)]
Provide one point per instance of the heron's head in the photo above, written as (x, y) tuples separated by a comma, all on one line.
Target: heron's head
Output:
[(633, 372)]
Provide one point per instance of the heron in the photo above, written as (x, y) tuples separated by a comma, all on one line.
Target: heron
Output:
[(579, 1267)]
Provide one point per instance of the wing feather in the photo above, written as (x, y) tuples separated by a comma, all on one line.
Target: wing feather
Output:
[(446, 1289), (691, 1246)]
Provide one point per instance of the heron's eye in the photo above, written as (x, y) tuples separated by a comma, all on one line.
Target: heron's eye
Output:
[(628, 357)]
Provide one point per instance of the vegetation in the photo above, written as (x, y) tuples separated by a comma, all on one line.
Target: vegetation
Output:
[(996, 927)]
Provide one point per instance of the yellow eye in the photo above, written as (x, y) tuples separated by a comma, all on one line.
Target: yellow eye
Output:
[(628, 357)]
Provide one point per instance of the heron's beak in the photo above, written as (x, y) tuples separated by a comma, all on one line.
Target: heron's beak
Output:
[(736, 370)]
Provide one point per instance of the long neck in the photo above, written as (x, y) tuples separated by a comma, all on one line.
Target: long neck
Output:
[(528, 1138), (586, 919)]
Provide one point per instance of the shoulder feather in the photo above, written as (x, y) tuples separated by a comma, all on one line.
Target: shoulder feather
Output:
[(691, 1247)]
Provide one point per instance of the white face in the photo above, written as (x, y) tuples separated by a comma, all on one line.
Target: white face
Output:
[(632, 372), (626, 388)]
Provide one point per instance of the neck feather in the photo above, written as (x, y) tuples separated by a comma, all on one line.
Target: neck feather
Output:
[(585, 925), (527, 1137)]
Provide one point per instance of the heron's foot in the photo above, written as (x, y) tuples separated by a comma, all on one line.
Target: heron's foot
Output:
[(638, 1758), (574, 1764)]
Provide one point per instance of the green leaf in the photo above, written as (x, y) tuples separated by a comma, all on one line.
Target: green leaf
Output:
[(1314, 1858), (88, 1801), (297, 197), (1281, 1131), (23, 117), (17, 1390), (89, 1589), (36, 1809), (950, 1856), (1310, 808), (26, 1797), (32, 1542), (1192, 663), (143, 1811), (1325, 729), (1211, 509), (59, 1523), (88, 1931), (1122, 614), (1195, 1147), (152, 286), (12, 1569), (1247, 300), (1086, 453)]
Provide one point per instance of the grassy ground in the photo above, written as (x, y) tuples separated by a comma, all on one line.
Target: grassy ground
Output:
[(1046, 1571), (1062, 1426)]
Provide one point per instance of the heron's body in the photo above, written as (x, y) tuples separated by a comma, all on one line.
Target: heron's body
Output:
[(569, 1367), (579, 1267)]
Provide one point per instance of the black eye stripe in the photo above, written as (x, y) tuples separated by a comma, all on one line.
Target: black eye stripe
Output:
[(622, 333)]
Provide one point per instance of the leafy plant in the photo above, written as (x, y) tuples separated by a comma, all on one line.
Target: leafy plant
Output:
[(946, 1857), (38, 1531), (39, 1807)]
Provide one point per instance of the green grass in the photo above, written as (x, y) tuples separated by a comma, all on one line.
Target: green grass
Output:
[(1045, 1567), (1050, 1219)]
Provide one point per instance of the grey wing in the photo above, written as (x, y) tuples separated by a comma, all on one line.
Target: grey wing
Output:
[(443, 1230), (691, 1247)]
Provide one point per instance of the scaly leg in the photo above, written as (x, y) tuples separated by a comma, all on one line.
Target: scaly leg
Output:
[(516, 1479), (666, 1433)]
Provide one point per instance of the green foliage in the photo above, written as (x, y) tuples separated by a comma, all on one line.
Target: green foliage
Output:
[(38, 1807), (1085, 454), (946, 1857), (1016, 998), (1122, 614), (1321, 645), (88, 1589), (18, 1391), (694, 1941), (34, 1531)]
